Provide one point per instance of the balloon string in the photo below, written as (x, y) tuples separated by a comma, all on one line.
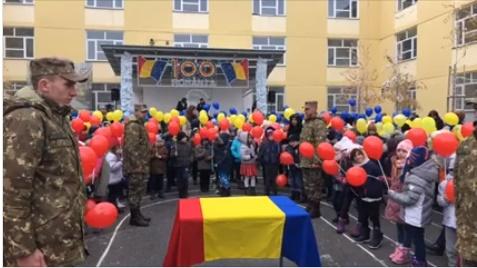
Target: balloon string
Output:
[(384, 175)]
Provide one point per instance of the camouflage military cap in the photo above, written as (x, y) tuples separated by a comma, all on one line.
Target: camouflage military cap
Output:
[(54, 66)]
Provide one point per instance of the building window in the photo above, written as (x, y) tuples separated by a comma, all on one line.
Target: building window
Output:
[(407, 44), (338, 97), (269, 7), (97, 38), (18, 42), (466, 25), (465, 89), (411, 96), (191, 5), (270, 43), (102, 95), (20, 2), (10, 87), (403, 4), (191, 40), (275, 99), (115, 4), (346, 9), (342, 52)]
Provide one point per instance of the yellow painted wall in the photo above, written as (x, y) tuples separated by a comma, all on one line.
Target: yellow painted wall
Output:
[(406, 18), (103, 72), (104, 18), (278, 76), (18, 15), (269, 24), (15, 70), (343, 28), (190, 21), (145, 15)]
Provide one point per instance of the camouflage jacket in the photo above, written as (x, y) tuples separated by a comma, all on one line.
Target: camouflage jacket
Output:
[(314, 131), (43, 190), (465, 171), (136, 151)]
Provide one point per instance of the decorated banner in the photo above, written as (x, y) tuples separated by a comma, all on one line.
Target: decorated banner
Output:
[(185, 72)]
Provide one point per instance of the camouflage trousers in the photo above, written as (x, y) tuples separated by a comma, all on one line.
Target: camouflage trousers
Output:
[(137, 183), (313, 184)]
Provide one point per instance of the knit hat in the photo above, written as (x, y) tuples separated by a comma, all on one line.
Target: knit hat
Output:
[(405, 145), (417, 157)]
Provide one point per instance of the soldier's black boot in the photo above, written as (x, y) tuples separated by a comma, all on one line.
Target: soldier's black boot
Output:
[(147, 219), (315, 211), (136, 219)]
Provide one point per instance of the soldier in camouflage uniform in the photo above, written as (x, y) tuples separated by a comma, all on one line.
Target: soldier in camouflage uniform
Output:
[(137, 155), (43, 190), (313, 131), (466, 204)]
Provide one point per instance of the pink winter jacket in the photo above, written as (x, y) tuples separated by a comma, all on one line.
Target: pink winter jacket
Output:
[(392, 210)]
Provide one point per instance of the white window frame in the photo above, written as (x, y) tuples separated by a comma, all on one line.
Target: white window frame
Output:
[(270, 46), (351, 49), (335, 10), (460, 96), (20, 2), (97, 46), (106, 88), (400, 43), (14, 86), (191, 43), (342, 107), (460, 31), (400, 4), (25, 41), (258, 4), (114, 4), (199, 3), (279, 92)]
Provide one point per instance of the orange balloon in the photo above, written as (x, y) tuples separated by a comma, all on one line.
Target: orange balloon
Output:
[(256, 132), (417, 136), (102, 216), (77, 125), (337, 123), (467, 129), (88, 162), (152, 127), (100, 145), (281, 180), (306, 150), (117, 129), (196, 139), (173, 128), (331, 167), (325, 151), (286, 159), (445, 144), (356, 176), (84, 115), (224, 124), (374, 147), (258, 118), (212, 134), (247, 127)]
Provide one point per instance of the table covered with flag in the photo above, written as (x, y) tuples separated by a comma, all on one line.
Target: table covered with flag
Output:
[(260, 227)]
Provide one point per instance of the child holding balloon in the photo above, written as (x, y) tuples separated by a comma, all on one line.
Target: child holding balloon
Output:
[(248, 167)]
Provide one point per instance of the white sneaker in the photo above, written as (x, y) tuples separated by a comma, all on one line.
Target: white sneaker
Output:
[(119, 204)]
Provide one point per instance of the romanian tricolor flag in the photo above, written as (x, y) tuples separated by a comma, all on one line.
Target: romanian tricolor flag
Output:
[(241, 69), (150, 68), (262, 227)]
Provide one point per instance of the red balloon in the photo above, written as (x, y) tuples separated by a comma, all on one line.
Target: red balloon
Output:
[(152, 137), (77, 125), (104, 131), (152, 127), (356, 176), (326, 117), (278, 135), (117, 129), (325, 151), (467, 129), (103, 215), (94, 120), (281, 180), (212, 134), (247, 127), (100, 145), (153, 120), (173, 128), (286, 159), (258, 118), (445, 144), (418, 136), (209, 125), (337, 123), (306, 150), (90, 204), (256, 132), (224, 124), (88, 162), (84, 115), (331, 167), (373, 146), (196, 139), (203, 133), (450, 191), (351, 135), (175, 119)]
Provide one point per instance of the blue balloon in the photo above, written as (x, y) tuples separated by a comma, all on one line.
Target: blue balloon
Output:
[(334, 110), (361, 116), (215, 115), (369, 111), (74, 114), (245, 114), (279, 118), (216, 105), (354, 116), (182, 112), (147, 117), (378, 118), (352, 102), (407, 112), (285, 121), (207, 107), (233, 110), (378, 109), (302, 116), (345, 116)]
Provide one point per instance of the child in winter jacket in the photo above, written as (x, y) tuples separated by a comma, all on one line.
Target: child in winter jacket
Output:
[(417, 198), (202, 153), (183, 154), (269, 157), (248, 168), (114, 164), (294, 171), (392, 211), (158, 168)]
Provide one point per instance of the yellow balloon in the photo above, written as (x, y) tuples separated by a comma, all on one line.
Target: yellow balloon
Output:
[(416, 123), (387, 119), (159, 116), (174, 112), (99, 115), (400, 120), (220, 116), (250, 119), (88, 125), (203, 118), (239, 121), (288, 112), (152, 111), (388, 128), (272, 118), (117, 115), (379, 126), (167, 118), (429, 124), (451, 119), (110, 116), (362, 126), (182, 120), (232, 118), (457, 132)]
